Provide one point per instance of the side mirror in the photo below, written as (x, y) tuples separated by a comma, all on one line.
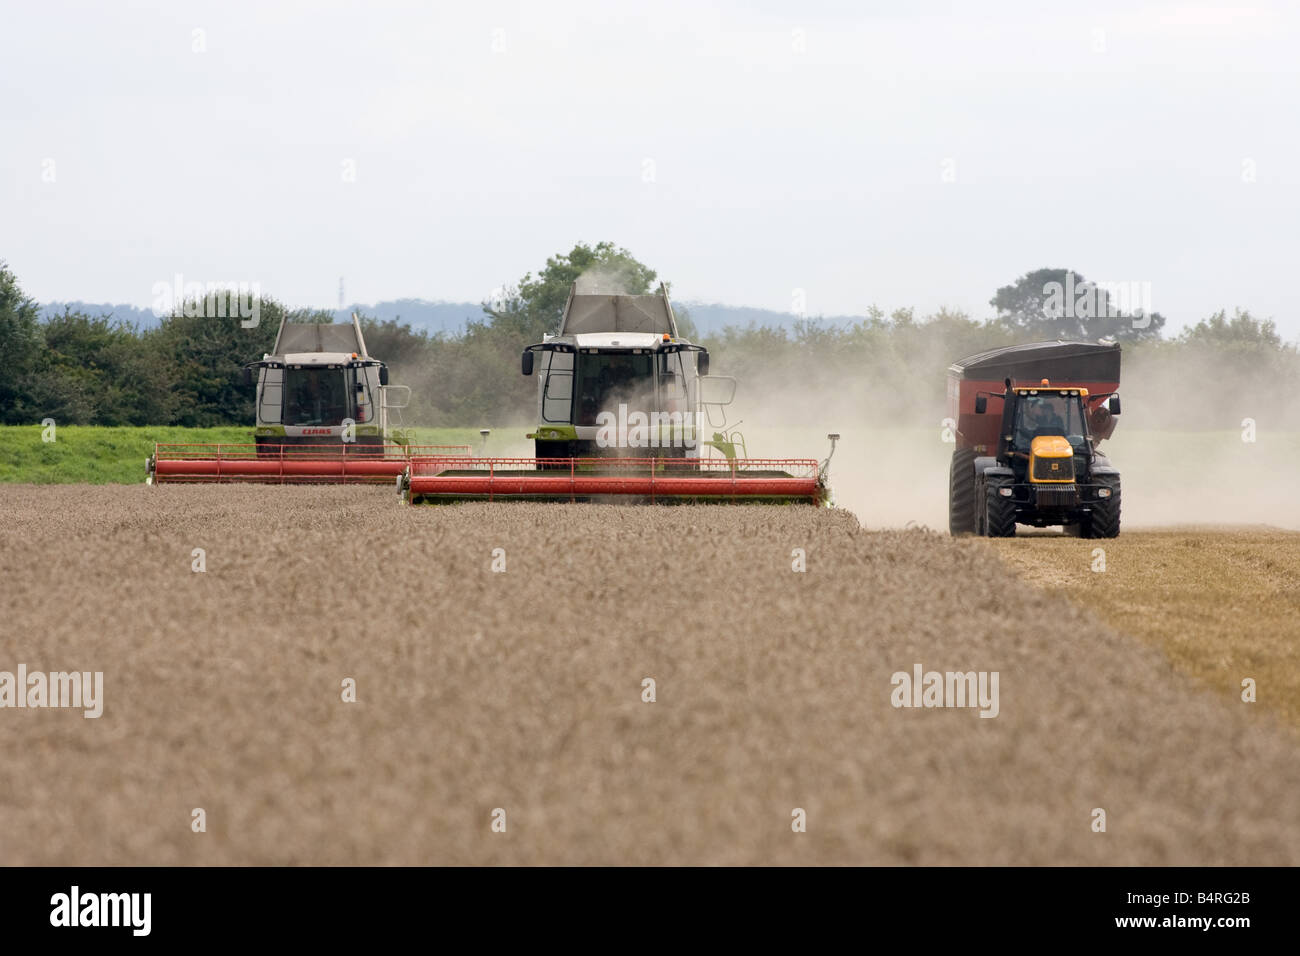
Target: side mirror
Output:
[(981, 404), (1114, 404), (383, 375), (248, 375), (526, 362), (702, 363)]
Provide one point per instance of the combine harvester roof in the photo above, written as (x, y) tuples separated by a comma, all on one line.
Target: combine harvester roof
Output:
[(595, 313), (342, 339)]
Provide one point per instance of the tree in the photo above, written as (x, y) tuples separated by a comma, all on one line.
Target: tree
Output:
[(1215, 374), (21, 344), (99, 372), (535, 305), (204, 357), (1062, 304), (1242, 332)]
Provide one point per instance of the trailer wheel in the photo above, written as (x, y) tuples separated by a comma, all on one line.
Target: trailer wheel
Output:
[(999, 512), (961, 492), (1104, 522)]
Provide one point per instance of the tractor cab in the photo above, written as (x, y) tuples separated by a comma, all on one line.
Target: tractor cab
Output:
[(1048, 415), (1045, 435)]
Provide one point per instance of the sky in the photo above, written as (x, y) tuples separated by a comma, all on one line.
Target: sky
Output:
[(823, 155)]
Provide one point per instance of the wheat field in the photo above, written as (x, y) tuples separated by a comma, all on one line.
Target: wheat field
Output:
[(521, 691)]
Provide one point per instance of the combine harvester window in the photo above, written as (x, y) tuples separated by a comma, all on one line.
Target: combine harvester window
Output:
[(608, 379), (671, 378), (272, 396), (315, 396), (558, 398)]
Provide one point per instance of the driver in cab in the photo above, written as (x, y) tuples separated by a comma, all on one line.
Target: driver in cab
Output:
[(1039, 418)]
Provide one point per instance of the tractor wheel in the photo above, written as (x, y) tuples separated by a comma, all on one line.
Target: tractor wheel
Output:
[(1104, 522), (961, 492), (999, 513)]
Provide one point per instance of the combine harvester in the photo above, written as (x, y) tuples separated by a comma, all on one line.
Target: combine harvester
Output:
[(1032, 458), (622, 400), (323, 416)]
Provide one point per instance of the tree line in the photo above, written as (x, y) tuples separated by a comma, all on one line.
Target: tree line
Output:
[(83, 369)]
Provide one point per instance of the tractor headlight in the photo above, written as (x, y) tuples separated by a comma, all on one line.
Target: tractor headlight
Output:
[(1103, 492), (1005, 492)]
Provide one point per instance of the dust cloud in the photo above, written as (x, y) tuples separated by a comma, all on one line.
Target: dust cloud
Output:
[(608, 278), (1188, 454), (1207, 436)]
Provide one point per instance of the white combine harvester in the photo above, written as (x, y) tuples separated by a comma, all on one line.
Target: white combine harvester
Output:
[(622, 403), (618, 379), (320, 386), (325, 413)]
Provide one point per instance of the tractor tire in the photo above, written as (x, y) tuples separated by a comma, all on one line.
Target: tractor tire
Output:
[(999, 513), (1104, 522), (961, 492)]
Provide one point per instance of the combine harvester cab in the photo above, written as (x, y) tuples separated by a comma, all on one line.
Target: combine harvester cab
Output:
[(325, 412), (622, 401), (320, 386), (1028, 422)]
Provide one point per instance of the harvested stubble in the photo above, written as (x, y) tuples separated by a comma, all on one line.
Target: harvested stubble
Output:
[(1223, 604), (522, 690)]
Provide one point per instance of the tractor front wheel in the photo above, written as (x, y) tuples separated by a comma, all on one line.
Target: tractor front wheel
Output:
[(1104, 521), (999, 512), (961, 493)]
